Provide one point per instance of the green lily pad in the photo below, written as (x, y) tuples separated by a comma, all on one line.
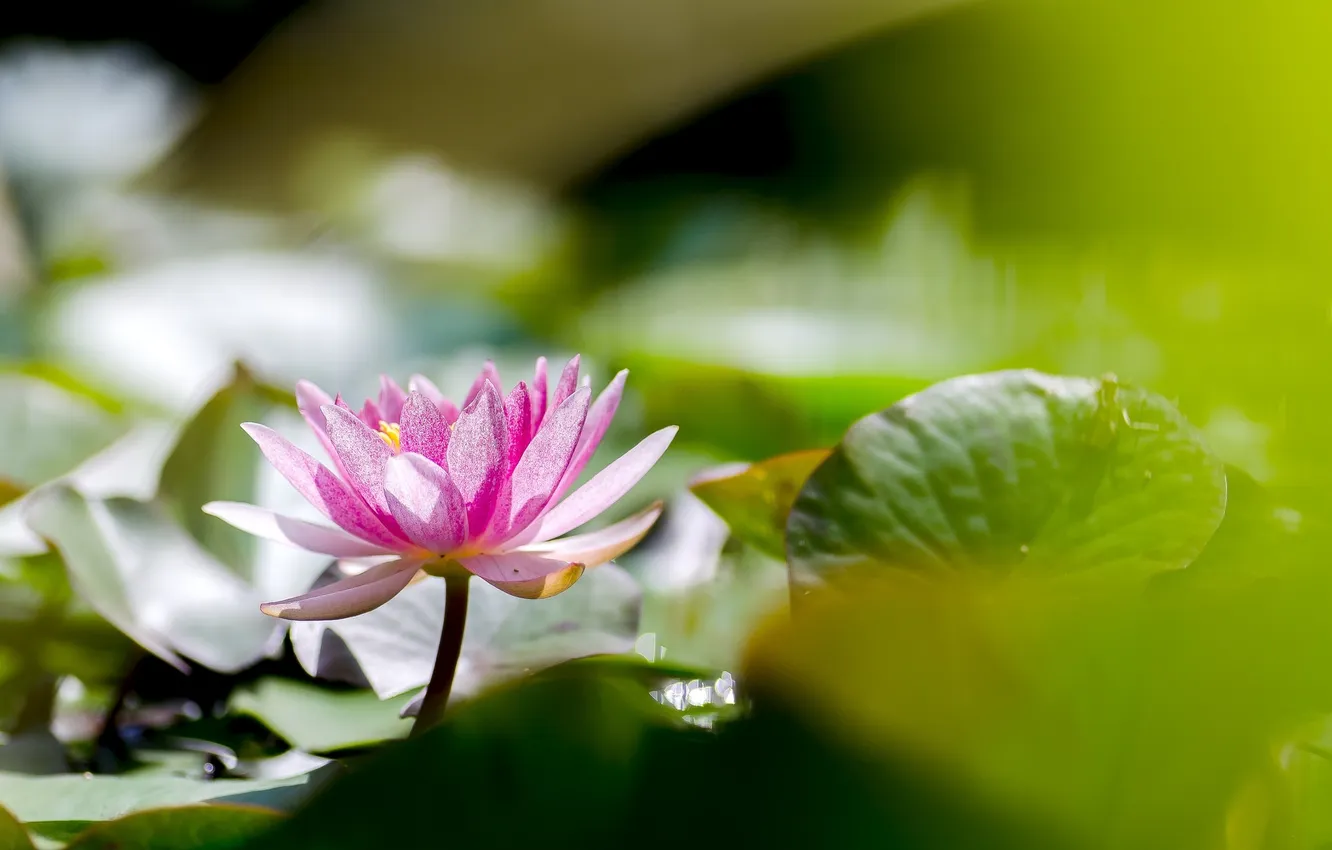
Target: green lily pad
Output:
[(1013, 471), (48, 431), (392, 648), (213, 460), (12, 834), (318, 719), (60, 799), (756, 499), (141, 572)]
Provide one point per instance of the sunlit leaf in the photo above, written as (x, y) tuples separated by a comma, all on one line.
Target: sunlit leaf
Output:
[(48, 431), (755, 501), (144, 574), (181, 828), (1011, 472), (393, 646), (320, 720), (42, 799), (214, 461)]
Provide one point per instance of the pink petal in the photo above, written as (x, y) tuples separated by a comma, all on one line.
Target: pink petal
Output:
[(391, 398), (539, 392), (427, 506), (544, 587), (566, 386), (284, 529), (518, 415), (488, 373), (424, 430), (597, 547), (543, 464), (363, 455), (421, 384), (424, 386), (513, 566), (349, 597), (309, 398), (321, 487), (599, 418), (371, 415), (477, 455), (603, 490)]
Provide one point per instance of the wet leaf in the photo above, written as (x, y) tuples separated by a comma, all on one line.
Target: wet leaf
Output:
[(756, 499), (1012, 472)]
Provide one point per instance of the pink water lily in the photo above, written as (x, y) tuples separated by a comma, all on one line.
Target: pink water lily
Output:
[(427, 488)]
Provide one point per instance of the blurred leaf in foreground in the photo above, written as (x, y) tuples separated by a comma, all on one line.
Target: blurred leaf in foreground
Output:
[(585, 759), (180, 828), (12, 834)]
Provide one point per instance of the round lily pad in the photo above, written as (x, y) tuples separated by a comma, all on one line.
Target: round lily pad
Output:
[(1013, 471)]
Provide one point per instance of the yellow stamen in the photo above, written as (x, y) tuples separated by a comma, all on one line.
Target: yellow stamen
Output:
[(391, 434)]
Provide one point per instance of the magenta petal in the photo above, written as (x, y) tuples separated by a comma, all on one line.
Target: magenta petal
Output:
[(427, 506), (478, 456), (423, 385), (539, 382), (284, 529), (566, 386), (424, 429), (309, 398), (488, 373), (518, 415), (363, 455), (513, 566), (599, 418), (391, 398), (543, 464), (603, 490), (349, 597), (597, 547), (321, 487), (371, 415), (426, 387)]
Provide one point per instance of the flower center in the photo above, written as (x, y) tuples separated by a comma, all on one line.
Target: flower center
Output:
[(391, 434)]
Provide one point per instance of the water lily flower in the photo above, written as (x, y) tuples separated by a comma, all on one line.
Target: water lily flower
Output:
[(427, 488)]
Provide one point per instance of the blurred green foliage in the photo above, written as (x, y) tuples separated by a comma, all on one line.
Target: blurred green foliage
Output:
[(1029, 612)]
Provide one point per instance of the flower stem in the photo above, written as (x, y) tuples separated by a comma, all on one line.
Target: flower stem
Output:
[(446, 657)]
